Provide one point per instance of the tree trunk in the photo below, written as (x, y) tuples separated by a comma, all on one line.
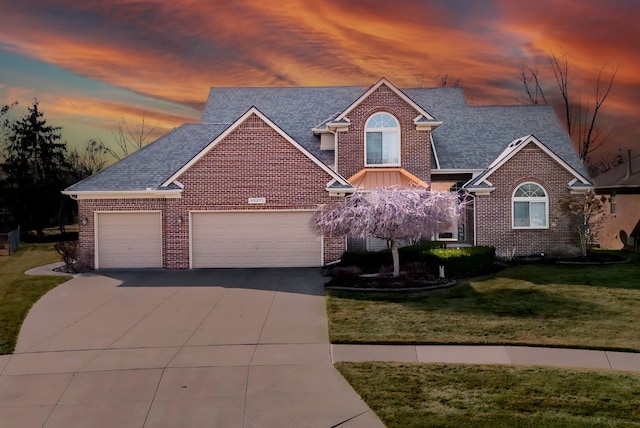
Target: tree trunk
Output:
[(396, 258)]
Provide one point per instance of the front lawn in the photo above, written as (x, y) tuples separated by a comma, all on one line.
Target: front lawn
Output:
[(572, 306), (420, 395), (18, 292)]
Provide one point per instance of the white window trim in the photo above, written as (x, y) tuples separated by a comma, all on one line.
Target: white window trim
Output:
[(530, 199), (382, 130)]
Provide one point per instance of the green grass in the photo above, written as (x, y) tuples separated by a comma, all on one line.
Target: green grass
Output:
[(610, 276), (568, 306), (18, 292), (406, 395)]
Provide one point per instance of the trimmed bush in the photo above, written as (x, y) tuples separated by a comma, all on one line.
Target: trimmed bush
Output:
[(460, 262), (373, 261), (346, 272), (68, 250)]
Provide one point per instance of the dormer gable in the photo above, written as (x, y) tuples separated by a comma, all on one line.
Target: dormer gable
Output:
[(424, 119), (481, 184), (340, 121)]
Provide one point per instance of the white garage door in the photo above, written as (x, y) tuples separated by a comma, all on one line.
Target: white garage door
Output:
[(254, 239), (129, 240)]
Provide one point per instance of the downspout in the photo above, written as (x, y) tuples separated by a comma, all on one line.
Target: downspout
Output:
[(335, 149), (475, 230)]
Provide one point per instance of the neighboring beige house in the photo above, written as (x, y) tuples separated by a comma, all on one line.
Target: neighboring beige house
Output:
[(621, 225), (240, 188)]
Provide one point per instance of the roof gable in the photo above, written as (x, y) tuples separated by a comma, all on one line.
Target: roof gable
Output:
[(254, 111), (482, 180), (149, 167), (423, 116), (295, 110)]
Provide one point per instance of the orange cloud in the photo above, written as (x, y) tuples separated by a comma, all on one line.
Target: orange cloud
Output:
[(175, 50)]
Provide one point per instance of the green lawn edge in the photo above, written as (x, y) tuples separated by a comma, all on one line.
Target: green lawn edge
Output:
[(457, 395), (19, 292), (578, 307)]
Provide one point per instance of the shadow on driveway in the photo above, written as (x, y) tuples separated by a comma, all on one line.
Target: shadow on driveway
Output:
[(293, 280)]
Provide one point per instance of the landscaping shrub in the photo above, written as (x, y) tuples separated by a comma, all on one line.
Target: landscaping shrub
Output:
[(368, 261), (346, 272), (68, 250), (373, 261), (461, 262)]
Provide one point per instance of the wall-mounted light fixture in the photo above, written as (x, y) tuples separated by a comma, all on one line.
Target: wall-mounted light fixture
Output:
[(179, 220), (84, 220)]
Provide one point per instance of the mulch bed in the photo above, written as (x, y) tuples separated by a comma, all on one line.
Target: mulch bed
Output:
[(388, 283)]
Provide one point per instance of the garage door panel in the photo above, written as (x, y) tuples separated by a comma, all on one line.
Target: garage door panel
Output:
[(254, 239), (129, 240)]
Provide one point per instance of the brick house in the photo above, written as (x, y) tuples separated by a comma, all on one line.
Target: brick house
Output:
[(240, 188), (620, 226)]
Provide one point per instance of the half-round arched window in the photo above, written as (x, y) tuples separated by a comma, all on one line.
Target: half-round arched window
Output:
[(530, 207), (382, 140)]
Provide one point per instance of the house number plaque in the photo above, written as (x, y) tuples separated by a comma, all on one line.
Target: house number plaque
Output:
[(257, 200)]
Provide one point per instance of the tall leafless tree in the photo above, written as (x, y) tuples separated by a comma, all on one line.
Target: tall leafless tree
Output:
[(580, 115)]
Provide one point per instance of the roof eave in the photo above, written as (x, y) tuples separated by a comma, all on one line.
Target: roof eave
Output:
[(480, 190), (124, 194)]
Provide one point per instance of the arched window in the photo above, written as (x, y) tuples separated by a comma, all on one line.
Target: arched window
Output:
[(382, 140), (530, 207)]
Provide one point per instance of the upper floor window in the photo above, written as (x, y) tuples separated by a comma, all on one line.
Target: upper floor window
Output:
[(382, 140), (530, 207)]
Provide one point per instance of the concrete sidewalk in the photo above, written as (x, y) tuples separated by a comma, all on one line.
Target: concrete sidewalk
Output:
[(517, 355)]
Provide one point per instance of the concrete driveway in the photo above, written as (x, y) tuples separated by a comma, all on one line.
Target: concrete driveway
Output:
[(218, 348)]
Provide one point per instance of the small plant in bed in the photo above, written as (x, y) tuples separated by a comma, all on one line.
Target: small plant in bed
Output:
[(421, 268)]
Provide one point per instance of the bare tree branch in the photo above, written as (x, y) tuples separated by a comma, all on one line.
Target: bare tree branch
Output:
[(532, 86), (560, 67), (128, 138), (594, 137), (580, 116)]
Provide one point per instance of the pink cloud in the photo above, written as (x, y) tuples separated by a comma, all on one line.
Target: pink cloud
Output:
[(176, 50)]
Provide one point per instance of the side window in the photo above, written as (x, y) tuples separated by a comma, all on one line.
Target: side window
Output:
[(382, 140), (530, 207), (614, 207)]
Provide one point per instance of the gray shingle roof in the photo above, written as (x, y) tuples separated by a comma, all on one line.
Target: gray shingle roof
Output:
[(295, 110), (150, 166), (618, 177), (470, 137)]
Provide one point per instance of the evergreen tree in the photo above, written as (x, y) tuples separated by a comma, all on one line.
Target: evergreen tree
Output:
[(35, 170)]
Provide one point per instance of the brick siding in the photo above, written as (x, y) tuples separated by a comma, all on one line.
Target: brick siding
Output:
[(252, 161), (415, 146), (494, 211)]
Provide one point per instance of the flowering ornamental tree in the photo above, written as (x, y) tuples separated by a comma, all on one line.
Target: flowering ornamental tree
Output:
[(391, 213), (585, 213)]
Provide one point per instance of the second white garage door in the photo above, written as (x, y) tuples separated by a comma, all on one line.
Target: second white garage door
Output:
[(254, 239)]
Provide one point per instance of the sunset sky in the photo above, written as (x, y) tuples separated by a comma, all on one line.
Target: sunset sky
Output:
[(92, 62)]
